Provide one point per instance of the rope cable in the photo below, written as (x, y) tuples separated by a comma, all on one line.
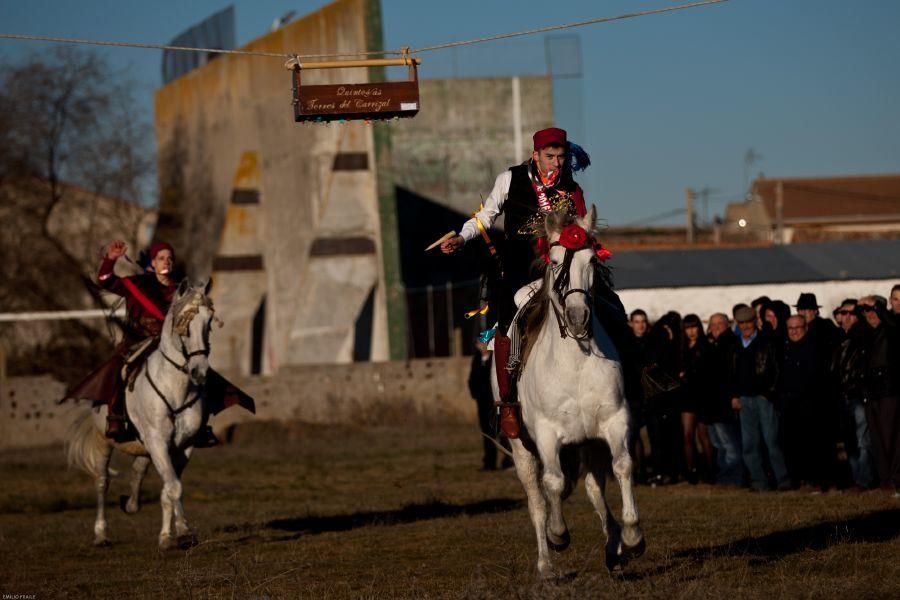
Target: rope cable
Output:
[(283, 55)]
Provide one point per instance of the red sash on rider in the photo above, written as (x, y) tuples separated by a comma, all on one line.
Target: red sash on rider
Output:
[(143, 300)]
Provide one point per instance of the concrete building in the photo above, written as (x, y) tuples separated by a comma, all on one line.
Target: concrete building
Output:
[(290, 220), (298, 224)]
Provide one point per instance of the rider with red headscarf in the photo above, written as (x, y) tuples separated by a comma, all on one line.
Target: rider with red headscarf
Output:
[(147, 299), (525, 193)]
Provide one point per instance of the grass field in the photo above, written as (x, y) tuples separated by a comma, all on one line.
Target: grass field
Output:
[(304, 511)]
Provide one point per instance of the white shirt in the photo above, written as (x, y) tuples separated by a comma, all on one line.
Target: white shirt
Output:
[(492, 207)]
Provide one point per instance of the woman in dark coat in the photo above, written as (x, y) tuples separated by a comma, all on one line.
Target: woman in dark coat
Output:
[(663, 397), (696, 397)]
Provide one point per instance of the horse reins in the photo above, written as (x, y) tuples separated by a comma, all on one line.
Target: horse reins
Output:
[(183, 368), (561, 283)]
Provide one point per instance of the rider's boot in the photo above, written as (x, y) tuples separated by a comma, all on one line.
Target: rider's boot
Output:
[(116, 423), (205, 438), (509, 406)]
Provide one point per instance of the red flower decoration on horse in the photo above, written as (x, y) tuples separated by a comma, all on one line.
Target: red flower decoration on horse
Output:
[(573, 237)]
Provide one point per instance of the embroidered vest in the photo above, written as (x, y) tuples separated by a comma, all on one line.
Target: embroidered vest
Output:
[(521, 204)]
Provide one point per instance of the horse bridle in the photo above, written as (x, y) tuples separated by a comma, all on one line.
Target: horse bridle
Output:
[(204, 351), (173, 412), (561, 283)]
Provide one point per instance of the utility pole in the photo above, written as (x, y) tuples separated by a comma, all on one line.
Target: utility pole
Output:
[(779, 212), (689, 197)]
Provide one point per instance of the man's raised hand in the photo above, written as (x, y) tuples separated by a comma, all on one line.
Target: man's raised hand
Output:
[(116, 249), (452, 245)]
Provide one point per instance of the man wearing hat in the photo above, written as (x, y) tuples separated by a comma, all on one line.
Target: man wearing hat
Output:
[(147, 299), (524, 193), (823, 333)]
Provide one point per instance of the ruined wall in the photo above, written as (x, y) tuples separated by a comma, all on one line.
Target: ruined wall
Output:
[(465, 134), (397, 392), (302, 230)]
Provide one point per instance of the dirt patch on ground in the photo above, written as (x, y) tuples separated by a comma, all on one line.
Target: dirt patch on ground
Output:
[(297, 511)]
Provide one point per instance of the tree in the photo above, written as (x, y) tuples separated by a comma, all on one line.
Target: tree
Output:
[(74, 158)]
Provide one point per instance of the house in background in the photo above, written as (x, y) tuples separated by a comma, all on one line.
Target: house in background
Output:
[(810, 209)]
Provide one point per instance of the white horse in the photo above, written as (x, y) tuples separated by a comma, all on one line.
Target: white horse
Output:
[(166, 408), (572, 397)]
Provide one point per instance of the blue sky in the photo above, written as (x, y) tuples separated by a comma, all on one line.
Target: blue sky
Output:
[(669, 101)]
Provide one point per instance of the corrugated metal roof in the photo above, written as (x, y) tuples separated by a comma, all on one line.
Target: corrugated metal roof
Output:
[(831, 261)]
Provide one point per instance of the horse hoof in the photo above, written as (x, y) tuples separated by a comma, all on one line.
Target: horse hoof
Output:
[(559, 543), (187, 541), (127, 507), (634, 551), (103, 542), (615, 563)]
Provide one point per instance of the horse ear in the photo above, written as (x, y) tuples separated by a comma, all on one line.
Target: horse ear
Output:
[(589, 221), (183, 287), (554, 222)]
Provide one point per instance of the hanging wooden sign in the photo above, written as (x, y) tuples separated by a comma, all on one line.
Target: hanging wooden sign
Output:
[(356, 101)]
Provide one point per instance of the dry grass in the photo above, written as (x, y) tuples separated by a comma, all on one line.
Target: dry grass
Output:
[(316, 512)]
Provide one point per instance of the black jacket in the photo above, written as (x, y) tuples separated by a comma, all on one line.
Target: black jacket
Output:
[(881, 376), (720, 381), (754, 370)]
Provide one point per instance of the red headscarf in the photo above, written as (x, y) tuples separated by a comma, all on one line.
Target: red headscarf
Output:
[(546, 137), (157, 247)]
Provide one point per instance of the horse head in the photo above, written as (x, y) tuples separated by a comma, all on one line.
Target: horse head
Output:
[(571, 258), (192, 317)]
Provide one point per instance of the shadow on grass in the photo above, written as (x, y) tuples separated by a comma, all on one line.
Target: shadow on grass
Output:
[(879, 526), (408, 514)]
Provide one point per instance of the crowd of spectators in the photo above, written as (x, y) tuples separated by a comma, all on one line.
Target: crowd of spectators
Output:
[(770, 398)]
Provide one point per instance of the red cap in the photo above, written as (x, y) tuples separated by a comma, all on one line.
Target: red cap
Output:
[(546, 137), (155, 249)]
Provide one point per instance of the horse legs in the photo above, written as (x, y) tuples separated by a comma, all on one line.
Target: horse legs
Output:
[(101, 482), (554, 482), (185, 536), (632, 537), (528, 470), (138, 470), (170, 498), (595, 487)]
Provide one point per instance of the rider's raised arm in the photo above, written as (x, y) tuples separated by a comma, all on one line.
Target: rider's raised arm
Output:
[(493, 206), (107, 278)]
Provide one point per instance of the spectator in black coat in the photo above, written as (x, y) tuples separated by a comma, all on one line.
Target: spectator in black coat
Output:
[(724, 426), (663, 398), (881, 384), (754, 373), (774, 319), (480, 389), (806, 409), (824, 333), (696, 392), (640, 327), (848, 366)]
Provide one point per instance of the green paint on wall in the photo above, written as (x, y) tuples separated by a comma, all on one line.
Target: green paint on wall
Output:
[(395, 293)]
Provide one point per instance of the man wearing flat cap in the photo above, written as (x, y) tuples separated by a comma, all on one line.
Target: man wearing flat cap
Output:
[(754, 373), (525, 193)]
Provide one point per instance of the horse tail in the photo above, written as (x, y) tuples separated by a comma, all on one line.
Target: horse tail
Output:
[(85, 446)]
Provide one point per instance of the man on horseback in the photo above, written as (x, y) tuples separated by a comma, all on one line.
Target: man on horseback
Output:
[(147, 299), (526, 193)]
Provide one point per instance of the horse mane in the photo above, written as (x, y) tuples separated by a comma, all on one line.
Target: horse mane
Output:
[(186, 306)]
